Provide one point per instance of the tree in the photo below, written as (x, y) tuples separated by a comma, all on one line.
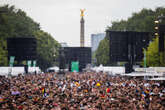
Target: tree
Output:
[(102, 53), (152, 53), (140, 22), (3, 52), (47, 50)]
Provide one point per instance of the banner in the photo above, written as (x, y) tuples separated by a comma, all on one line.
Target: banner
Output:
[(29, 62), (11, 61), (75, 66), (34, 63)]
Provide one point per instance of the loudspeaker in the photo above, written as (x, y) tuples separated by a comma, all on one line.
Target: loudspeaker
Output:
[(22, 48), (141, 41), (128, 68), (61, 59), (26, 69), (118, 46), (127, 45), (161, 37), (161, 42)]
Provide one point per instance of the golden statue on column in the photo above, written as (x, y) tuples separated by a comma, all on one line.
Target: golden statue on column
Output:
[(82, 28), (82, 12)]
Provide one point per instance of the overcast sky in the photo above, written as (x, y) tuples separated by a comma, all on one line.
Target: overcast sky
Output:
[(61, 18)]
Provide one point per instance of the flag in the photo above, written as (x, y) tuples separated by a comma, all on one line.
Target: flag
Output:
[(43, 90), (98, 84), (77, 84), (108, 90), (1, 99)]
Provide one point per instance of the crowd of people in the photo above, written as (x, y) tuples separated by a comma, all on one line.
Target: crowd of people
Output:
[(85, 91)]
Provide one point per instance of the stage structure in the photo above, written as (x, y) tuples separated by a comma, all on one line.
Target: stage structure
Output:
[(23, 48), (82, 55), (127, 46)]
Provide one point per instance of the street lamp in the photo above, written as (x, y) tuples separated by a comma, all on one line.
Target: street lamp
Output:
[(156, 22), (156, 34)]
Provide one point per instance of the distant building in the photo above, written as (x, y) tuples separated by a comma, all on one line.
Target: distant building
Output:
[(64, 44), (95, 40)]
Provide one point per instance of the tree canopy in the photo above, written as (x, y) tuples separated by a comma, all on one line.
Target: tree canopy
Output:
[(142, 21), (152, 55), (16, 23), (47, 49), (102, 53)]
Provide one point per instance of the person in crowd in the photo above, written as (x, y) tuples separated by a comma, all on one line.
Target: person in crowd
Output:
[(87, 91)]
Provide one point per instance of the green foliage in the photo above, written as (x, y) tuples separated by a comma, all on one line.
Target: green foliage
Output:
[(3, 52), (102, 53), (47, 50), (94, 57), (140, 22), (15, 23), (152, 53), (153, 56)]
